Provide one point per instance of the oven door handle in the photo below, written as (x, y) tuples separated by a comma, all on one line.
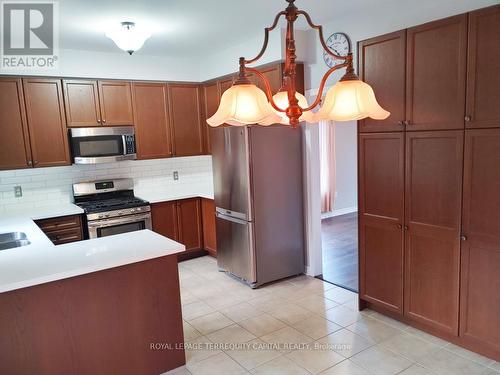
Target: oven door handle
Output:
[(101, 223)]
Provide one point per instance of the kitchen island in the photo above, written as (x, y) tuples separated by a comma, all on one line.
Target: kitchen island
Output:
[(100, 306)]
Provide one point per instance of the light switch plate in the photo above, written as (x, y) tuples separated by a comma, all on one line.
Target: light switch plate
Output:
[(176, 175), (18, 191)]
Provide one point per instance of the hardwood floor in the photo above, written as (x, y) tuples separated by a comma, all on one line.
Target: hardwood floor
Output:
[(339, 237)]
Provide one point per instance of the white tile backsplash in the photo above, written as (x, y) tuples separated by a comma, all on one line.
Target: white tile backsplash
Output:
[(49, 186)]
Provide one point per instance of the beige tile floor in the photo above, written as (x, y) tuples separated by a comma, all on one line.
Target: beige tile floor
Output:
[(302, 326)]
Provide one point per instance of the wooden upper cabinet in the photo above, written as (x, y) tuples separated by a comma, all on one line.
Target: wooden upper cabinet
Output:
[(81, 99), (435, 81), (382, 64), (164, 219), (480, 276), (94, 103), (433, 198), (115, 100), (381, 199), (185, 119), (483, 69), (189, 221), (15, 151), (211, 99), (46, 122), (152, 128)]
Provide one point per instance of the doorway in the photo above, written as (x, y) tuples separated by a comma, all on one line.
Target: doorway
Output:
[(339, 219)]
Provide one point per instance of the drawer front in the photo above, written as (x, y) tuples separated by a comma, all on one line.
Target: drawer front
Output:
[(65, 236), (59, 223)]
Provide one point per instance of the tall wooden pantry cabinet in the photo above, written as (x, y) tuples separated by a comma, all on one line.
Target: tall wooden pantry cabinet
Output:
[(429, 179)]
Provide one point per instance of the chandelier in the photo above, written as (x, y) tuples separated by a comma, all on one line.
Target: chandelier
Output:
[(244, 103)]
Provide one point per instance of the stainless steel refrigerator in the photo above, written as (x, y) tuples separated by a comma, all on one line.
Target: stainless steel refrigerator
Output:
[(259, 202)]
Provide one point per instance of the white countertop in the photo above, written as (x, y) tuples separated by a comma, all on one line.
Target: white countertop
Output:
[(167, 196), (42, 261)]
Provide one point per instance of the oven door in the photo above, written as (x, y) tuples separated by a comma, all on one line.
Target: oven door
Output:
[(124, 224), (102, 145)]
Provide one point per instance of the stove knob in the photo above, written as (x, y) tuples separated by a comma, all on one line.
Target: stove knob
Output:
[(133, 210), (100, 216), (106, 215)]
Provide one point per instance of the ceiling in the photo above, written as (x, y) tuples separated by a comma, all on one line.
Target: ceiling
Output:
[(184, 28)]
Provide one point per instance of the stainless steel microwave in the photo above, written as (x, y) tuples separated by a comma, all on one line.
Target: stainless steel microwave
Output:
[(102, 145)]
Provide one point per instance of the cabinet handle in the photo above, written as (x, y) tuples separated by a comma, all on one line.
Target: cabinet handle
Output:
[(407, 122), (35, 162), (98, 121), (30, 162), (406, 227), (401, 122), (400, 226), (104, 121), (468, 118), (463, 237)]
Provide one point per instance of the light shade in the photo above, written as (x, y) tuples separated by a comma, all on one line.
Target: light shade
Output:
[(281, 101), (350, 100), (128, 36), (244, 104)]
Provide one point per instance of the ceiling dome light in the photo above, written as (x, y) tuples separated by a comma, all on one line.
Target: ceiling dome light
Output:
[(244, 104), (128, 37), (281, 101), (350, 100)]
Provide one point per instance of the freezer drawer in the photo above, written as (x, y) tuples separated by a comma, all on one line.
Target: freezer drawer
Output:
[(235, 247)]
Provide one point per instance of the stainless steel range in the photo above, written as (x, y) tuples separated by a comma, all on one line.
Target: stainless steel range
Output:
[(111, 207)]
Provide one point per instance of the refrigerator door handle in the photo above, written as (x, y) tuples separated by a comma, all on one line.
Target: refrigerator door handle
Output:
[(231, 218), (230, 213)]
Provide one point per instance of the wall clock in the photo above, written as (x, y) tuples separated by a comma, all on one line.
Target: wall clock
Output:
[(339, 43)]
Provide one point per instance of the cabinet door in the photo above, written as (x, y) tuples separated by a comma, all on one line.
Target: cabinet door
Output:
[(381, 202), (433, 214), (435, 82), (81, 103), (211, 101), (15, 151), (164, 219), (185, 107), (382, 64), (115, 98), (189, 219), (208, 221), (151, 120), (46, 122), (273, 75), (480, 296), (483, 69)]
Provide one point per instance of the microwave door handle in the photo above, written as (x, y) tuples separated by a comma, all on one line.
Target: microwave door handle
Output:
[(124, 142)]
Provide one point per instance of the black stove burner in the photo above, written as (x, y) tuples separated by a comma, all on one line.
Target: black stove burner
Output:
[(111, 204)]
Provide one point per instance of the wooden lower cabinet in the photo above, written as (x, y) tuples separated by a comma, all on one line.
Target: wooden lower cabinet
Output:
[(208, 223), (180, 221), (189, 219), (61, 230), (480, 272), (381, 202), (433, 198), (164, 219)]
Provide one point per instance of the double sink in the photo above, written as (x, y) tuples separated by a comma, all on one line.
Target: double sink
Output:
[(13, 239)]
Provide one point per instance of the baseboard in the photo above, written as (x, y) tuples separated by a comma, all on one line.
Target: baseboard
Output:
[(340, 211)]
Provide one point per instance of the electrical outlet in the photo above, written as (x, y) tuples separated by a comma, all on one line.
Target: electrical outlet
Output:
[(18, 191), (176, 175)]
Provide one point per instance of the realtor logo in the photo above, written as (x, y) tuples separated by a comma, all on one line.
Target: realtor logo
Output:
[(29, 35)]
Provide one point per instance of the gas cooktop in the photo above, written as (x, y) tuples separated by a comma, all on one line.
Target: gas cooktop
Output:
[(94, 206)]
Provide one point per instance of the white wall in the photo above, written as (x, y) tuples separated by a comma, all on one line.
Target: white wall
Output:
[(119, 65)]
